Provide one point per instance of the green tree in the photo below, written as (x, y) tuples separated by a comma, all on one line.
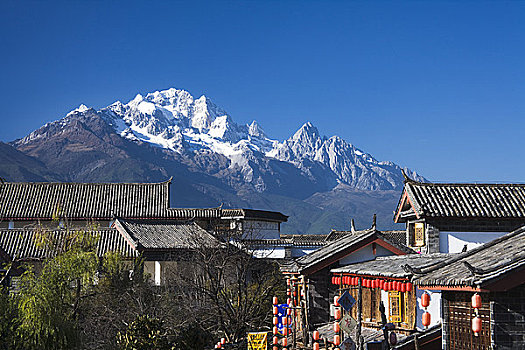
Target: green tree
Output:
[(144, 333), (49, 300)]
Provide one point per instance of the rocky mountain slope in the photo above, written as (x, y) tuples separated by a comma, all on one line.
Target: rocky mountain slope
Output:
[(215, 161)]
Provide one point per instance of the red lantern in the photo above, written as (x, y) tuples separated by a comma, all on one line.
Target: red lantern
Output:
[(409, 287), (219, 345), (315, 335), (285, 331), (285, 342), (426, 319), (337, 314), (275, 301), (333, 279), (398, 286), (315, 346), (289, 311), (275, 310), (288, 281), (476, 325), (294, 293), (337, 327), (275, 348), (223, 341), (382, 284), (387, 286), (275, 330), (288, 292), (337, 339), (354, 281), (403, 287), (367, 283), (275, 340), (275, 321), (285, 321), (476, 301), (425, 300), (289, 301), (336, 298)]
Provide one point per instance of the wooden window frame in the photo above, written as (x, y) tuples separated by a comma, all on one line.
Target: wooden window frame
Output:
[(395, 296), (419, 234)]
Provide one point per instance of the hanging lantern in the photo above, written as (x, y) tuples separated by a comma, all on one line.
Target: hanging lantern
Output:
[(288, 292), (336, 298), (294, 293), (337, 339), (275, 340), (381, 284), (409, 287), (275, 348), (398, 286), (285, 321), (315, 335), (285, 331), (337, 314), (315, 346), (223, 341), (476, 301), (403, 287), (275, 301), (426, 319), (337, 327), (288, 282), (387, 285), (476, 325), (425, 300), (289, 311), (285, 342), (275, 310), (289, 301), (219, 345), (338, 280), (275, 330), (275, 320), (333, 279)]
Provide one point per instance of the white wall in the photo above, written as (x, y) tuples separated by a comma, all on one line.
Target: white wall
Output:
[(453, 242), (269, 253), (434, 308)]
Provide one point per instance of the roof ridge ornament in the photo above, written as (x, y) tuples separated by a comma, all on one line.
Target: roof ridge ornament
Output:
[(407, 179)]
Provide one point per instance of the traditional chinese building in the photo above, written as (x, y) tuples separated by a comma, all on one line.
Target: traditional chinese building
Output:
[(496, 272), (449, 218)]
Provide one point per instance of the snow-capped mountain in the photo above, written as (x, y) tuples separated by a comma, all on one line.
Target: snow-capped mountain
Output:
[(174, 120)]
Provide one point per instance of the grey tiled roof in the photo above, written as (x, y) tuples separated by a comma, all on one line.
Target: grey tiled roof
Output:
[(338, 247), (150, 234), (392, 266), (479, 266), (20, 243), (254, 214), (466, 200), (40, 200)]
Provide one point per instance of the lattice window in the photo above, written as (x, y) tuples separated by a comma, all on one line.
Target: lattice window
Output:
[(419, 234), (396, 306), (460, 314)]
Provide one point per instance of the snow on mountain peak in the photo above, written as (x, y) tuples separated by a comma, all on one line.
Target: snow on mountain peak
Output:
[(80, 109), (175, 120)]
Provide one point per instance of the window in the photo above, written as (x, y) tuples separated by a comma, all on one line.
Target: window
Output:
[(396, 307), (419, 234)]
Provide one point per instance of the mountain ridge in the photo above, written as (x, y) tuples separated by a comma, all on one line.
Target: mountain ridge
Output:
[(214, 160)]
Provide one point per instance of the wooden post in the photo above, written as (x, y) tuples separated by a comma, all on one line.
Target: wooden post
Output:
[(386, 344), (359, 310), (306, 326), (416, 342)]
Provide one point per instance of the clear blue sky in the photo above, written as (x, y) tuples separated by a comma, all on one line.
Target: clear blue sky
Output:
[(435, 86)]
